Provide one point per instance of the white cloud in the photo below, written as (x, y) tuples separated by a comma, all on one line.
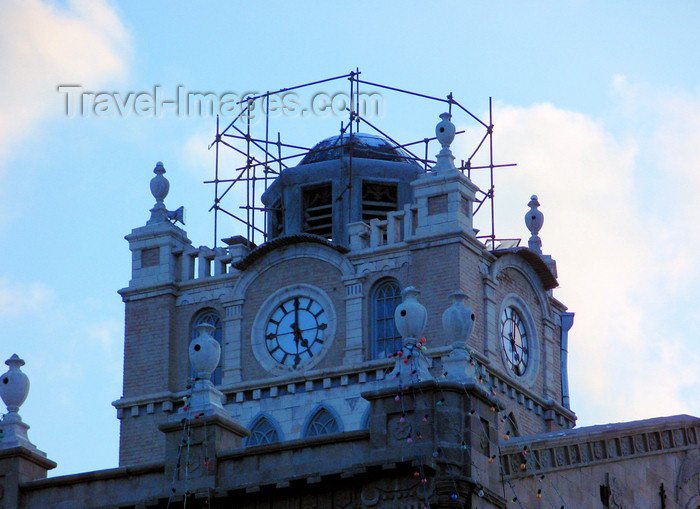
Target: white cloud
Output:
[(17, 299), (108, 335), (42, 46), (625, 266)]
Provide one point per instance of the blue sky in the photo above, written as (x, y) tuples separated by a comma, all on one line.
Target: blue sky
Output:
[(597, 102)]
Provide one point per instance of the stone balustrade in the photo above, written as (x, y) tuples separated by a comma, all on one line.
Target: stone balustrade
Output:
[(396, 228)]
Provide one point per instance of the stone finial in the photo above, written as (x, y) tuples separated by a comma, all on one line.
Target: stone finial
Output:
[(534, 220), (458, 320), (14, 387), (410, 318), (445, 132), (159, 189), (204, 353)]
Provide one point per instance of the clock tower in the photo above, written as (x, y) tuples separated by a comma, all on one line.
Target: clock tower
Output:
[(306, 320)]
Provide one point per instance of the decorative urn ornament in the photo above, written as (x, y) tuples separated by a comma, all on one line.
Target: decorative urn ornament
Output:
[(445, 130), (458, 320), (14, 385), (534, 219), (445, 133), (159, 184), (410, 316), (205, 351)]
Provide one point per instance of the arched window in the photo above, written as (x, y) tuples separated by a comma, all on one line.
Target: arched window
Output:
[(263, 431), (385, 338), (321, 423), (512, 426), (365, 419), (210, 316)]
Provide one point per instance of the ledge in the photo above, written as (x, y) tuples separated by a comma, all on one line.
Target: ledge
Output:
[(299, 443), (576, 448), (35, 456), (96, 475)]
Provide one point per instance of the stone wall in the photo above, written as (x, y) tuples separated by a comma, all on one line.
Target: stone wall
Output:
[(625, 464)]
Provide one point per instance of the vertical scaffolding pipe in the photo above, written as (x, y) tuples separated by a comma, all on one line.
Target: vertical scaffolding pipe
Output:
[(349, 186), (267, 154), (247, 175), (492, 191), (216, 183), (425, 163), (279, 152), (357, 99)]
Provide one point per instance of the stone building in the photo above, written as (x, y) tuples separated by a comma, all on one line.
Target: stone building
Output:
[(372, 353)]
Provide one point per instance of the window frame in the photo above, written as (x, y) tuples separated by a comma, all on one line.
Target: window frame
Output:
[(375, 317), (258, 421), (313, 417)]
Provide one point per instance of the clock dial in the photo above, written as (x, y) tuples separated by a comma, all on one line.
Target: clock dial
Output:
[(295, 331), (514, 341)]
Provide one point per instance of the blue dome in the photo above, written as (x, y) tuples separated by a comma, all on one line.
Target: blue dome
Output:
[(367, 146)]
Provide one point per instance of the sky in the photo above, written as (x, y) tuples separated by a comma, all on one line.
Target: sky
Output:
[(598, 104)]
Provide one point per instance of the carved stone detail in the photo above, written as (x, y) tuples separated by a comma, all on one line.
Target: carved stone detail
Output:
[(616, 494), (688, 481), (574, 455), (396, 493), (666, 439), (598, 451), (678, 439), (560, 455), (400, 430), (653, 442), (585, 453), (610, 449), (625, 446), (370, 496)]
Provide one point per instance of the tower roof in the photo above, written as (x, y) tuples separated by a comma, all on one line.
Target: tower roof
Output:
[(367, 146)]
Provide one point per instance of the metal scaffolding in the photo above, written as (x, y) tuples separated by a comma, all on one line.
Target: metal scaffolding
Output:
[(267, 157)]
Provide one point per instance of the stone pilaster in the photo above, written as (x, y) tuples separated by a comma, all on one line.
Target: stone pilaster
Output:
[(354, 298), (490, 335), (191, 448), (233, 319), (448, 430)]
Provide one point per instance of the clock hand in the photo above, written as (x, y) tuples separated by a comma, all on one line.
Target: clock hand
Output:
[(298, 337), (321, 326), (296, 313), (295, 326)]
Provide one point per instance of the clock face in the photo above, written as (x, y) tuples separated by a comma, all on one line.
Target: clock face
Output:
[(295, 331), (514, 341)]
